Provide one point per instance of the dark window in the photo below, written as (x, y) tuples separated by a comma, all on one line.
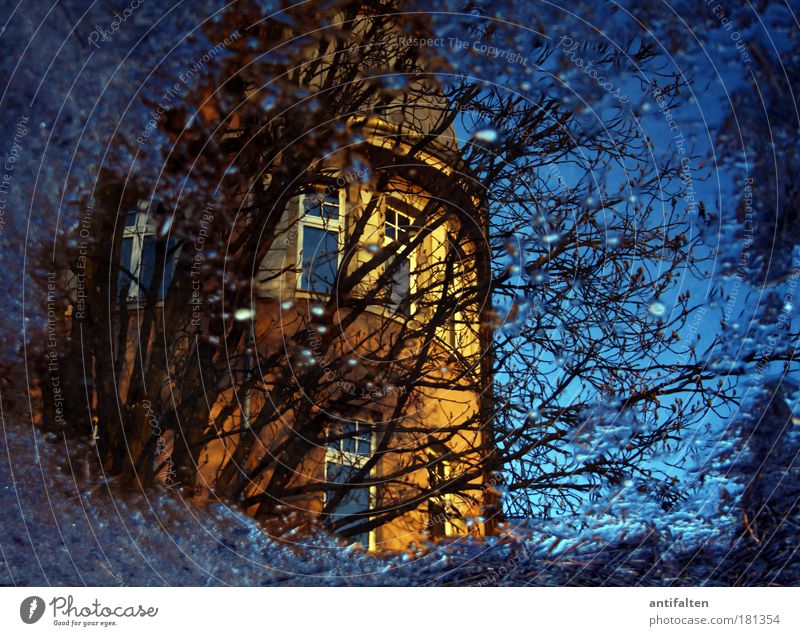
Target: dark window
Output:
[(137, 258), (349, 448), (396, 228), (320, 259), (355, 503), (400, 285), (124, 277), (148, 265)]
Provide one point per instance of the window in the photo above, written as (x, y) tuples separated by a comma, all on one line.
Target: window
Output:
[(354, 438), (320, 260), (452, 336), (324, 207), (320, 242), (455, 321), (441, 507), (349, 449), (454, 331), (137, 260), (397, 225), (397, 228)]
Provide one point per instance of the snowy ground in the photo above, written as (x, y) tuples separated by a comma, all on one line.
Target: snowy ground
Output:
[(60, 526)]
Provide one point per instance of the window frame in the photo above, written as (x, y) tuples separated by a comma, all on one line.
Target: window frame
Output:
[(452, 334), (142, 229), (355, 460), (321, 223), (412, 255)]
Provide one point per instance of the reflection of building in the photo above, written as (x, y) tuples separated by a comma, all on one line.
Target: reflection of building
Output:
[(382, 382), (436, 436)]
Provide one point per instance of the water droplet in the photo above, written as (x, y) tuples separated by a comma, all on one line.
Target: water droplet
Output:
[(551, 239), (657, 308), (268, 103), (165, 227), (486, 135), (538, 276), (244, 314)]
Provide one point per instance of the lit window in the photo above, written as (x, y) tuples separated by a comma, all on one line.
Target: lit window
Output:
[(320, 227), (137, 260)]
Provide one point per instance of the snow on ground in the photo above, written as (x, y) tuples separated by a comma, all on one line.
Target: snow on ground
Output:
[(62, 526)]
